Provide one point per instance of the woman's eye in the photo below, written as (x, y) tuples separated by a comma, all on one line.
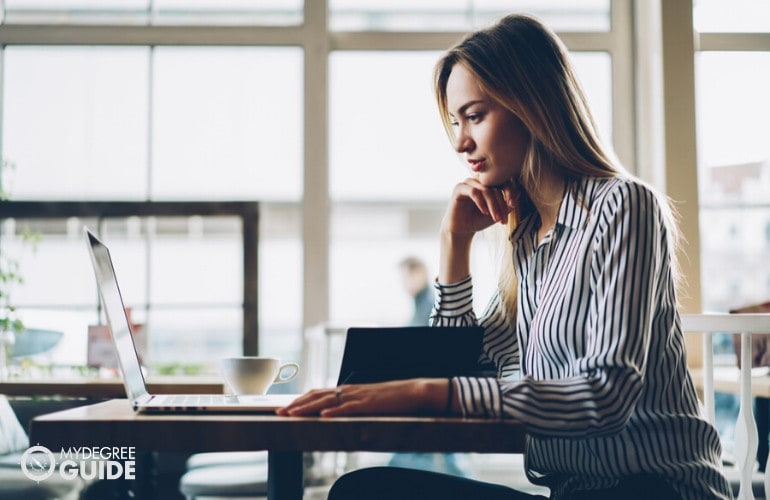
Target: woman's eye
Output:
[(474, 117), (454, 123)]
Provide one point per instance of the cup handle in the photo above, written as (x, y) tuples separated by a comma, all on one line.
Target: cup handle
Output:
[(279, 379)]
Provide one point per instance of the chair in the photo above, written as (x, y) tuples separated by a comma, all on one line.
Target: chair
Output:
[(13, 483), (231, 474), (760, 357), (745, 479)]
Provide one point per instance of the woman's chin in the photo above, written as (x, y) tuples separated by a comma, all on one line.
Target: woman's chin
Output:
[(492, 181)]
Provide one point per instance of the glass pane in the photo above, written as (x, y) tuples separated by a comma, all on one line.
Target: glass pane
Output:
[(191, 267), (594, 70), (230, 12), (227, 123), (365, 280), (280, 294), (75, 122), (59, 290), (189, 12), (369, 242), (393, 146), (76, 4), (69, 355), (55, 267), (386, 138), (736, 16), (734, 177), (446, 15), (559, 15), (191, 340), (76, 11)]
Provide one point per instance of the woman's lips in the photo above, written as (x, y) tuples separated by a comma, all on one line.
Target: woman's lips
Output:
[(477, 165)]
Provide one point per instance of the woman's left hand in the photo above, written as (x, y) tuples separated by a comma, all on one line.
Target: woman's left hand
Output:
[(400, 397)]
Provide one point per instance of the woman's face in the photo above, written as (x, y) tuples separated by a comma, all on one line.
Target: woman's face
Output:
[(492, 139)]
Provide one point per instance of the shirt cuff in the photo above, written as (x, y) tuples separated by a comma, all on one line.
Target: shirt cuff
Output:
[(480, 397), (455, 299)]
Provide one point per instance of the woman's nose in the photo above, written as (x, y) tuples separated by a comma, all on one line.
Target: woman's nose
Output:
[(463, 142)]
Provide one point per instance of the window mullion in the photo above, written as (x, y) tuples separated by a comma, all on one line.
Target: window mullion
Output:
[(315, 197), (623, 111)]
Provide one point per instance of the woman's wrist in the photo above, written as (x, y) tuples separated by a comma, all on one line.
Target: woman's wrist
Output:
[(434, 394), (455, 256)]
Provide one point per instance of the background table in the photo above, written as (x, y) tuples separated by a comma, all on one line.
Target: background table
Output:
[(114, 423), (93, 388)]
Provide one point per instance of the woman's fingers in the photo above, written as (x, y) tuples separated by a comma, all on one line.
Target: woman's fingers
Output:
[(510, 195), (490, 201), (382, 398), (311, 403), (343, 409)]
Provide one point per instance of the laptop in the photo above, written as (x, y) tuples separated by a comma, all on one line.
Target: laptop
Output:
[(128, 360), (397, 353)]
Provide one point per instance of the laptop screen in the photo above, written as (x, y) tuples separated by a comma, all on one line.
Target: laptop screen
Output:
[(116, 318)]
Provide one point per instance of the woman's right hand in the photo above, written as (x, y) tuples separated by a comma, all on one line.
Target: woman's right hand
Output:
[(474, 207)]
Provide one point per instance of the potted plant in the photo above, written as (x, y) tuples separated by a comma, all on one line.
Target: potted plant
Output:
[(11, 324)]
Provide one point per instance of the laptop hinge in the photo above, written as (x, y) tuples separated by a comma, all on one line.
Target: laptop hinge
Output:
[(143, 399)]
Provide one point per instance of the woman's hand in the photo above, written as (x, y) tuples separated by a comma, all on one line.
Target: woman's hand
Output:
[(400, 397), (474, 207)]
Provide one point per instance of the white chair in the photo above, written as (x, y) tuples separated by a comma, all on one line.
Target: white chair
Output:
[(746, 440), (231, 474), (13, 483)]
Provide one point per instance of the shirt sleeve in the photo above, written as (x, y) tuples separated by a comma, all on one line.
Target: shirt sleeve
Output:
[(599, 399)]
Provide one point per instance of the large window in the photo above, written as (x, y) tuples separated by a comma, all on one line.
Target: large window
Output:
[(157, 123), (322, 111), (157, 12), (732, 75), (733, 106), (444, 15)]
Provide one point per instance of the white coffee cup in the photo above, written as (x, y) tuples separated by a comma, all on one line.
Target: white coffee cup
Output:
[(255, 375)]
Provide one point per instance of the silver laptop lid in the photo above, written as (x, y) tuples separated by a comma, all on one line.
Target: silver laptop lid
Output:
[(117, 320)]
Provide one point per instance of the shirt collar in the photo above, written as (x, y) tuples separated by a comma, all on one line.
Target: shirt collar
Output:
[(573, 212)]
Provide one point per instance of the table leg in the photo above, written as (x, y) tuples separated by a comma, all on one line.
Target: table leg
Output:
[(284, 475)]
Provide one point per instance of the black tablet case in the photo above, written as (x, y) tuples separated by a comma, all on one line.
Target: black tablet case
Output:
[(396, 353)]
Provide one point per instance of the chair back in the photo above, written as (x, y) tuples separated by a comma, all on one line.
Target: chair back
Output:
[(746, 438)]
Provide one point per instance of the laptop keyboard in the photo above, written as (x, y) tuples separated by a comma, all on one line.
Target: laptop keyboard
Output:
[(196, 400)]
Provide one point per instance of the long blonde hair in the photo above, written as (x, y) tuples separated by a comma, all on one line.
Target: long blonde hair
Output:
[(524, 67)]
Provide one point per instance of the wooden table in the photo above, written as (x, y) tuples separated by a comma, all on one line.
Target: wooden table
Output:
[(727, 379), (110, 388), (114, 423)]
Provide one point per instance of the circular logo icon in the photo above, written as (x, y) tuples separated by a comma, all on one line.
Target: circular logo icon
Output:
[(38, 463)]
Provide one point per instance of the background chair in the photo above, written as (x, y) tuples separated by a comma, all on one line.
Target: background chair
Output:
[(13, 483)]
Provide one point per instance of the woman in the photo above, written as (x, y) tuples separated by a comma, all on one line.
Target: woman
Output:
[(586, 307)]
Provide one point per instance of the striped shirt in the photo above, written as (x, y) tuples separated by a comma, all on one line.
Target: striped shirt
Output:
[(603, 383)]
